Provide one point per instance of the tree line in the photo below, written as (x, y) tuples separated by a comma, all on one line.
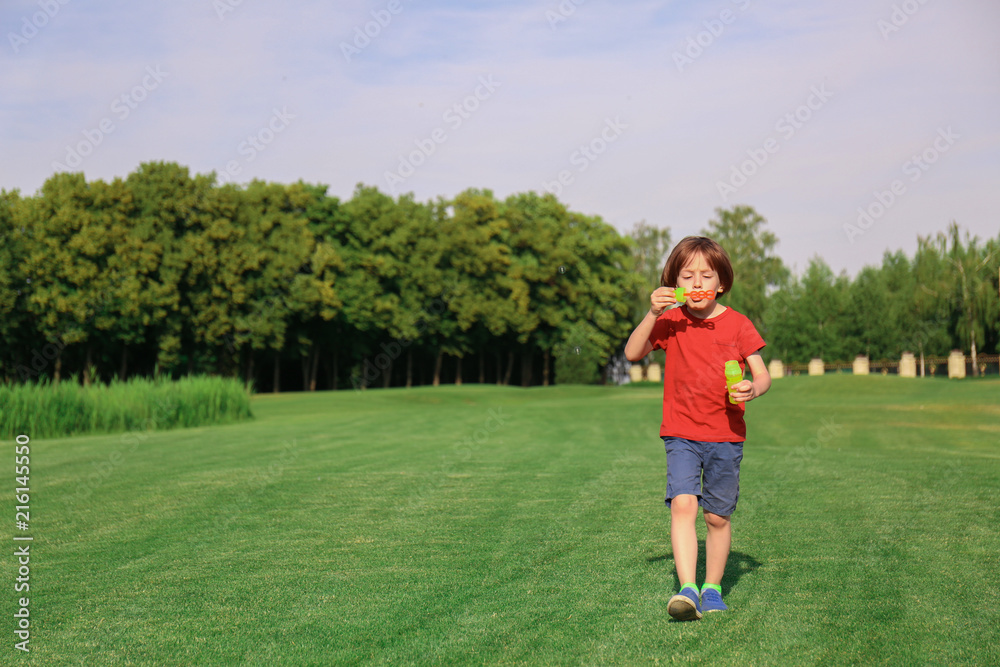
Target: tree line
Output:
[(947, 296), (283, 285), (163, 272)]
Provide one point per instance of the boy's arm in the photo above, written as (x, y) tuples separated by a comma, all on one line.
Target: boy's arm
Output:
[(748, 390), (638, 345)]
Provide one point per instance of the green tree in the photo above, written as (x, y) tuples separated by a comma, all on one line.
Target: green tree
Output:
[(869, 329), (578, 360), (757, 270), (973, 268), (812, 316), (337, 235), (73, 230), (180, 233), (490, 295), (601, 282), (13, 318), (315, 322), (541, 250), (384, 239), (148, 263), (286, 279), (652, 247), (931, 307)]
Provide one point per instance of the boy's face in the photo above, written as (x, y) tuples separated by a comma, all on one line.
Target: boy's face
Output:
[(696, 274)]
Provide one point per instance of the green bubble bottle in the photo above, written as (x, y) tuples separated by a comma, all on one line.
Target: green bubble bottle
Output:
[(679, 295), (734, 375)]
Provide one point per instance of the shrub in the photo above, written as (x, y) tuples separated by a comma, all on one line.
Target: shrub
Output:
[(578, 361)]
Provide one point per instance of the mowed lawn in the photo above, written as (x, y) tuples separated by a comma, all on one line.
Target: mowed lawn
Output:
[(494, 525)]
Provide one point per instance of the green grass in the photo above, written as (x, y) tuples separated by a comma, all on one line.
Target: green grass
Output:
[(48, 410), (488, 525)]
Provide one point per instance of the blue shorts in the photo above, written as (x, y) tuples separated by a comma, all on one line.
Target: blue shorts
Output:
[(720, 463)]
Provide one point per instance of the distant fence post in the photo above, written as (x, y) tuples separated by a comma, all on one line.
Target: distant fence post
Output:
[(816, 366), (653, 373), (635, 373), (776, 369), (956, 364), (907, 365), (861, 365)]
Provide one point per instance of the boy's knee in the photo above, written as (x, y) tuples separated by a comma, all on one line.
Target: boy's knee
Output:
[(715, 520), (684, 503)]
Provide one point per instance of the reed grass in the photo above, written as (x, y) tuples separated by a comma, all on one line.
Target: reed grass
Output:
[(47, 410)]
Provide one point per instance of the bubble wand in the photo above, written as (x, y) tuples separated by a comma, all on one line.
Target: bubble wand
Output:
[(682, 294)]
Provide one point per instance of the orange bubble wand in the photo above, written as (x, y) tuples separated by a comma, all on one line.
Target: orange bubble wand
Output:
[(682, 295)]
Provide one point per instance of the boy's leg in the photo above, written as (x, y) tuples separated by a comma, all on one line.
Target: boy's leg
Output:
[(721, 491), (684, 536), (686, 604), (684, 467), (717, 544)]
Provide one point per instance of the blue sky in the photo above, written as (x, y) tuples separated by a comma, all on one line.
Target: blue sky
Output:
[(634, 110)]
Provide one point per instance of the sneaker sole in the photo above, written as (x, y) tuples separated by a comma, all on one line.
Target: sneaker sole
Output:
[(681, 608)]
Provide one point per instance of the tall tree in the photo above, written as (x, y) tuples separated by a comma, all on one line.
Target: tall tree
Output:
[(812, 311), (540, 251), (973, 287), (71, 234), (14, 334), (282, 283), (384, 240), (757, 270), (652, 247), (179, 238), (869, 328)]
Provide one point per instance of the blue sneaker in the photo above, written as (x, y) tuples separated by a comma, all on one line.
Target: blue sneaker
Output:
[(685, 606), (711, 600)]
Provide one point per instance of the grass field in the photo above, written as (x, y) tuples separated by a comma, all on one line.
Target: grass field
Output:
[(491, 525)]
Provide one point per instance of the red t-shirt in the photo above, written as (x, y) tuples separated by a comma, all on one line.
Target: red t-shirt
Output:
[(695, 401)]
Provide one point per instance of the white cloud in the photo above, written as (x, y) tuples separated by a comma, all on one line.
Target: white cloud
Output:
[(559, 84)]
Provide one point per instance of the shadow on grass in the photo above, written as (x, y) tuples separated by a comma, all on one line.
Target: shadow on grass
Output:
[(738, 565)]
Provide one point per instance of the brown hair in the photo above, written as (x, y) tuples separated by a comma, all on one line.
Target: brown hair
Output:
[(690, 246)]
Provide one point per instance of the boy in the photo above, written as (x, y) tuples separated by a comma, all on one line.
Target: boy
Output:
[(702, 431)]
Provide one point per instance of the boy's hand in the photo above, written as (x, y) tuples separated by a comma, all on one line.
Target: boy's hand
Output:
[(661, 299), (744, 391)]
